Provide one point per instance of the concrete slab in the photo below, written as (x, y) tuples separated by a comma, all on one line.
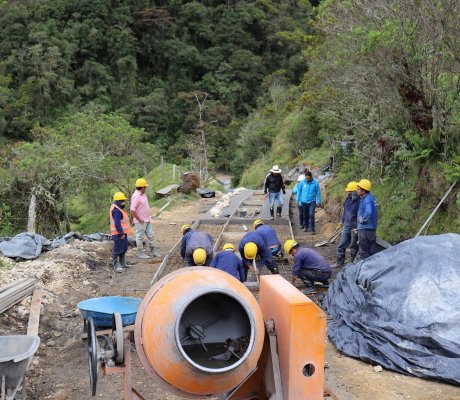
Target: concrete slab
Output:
[(265, 212)]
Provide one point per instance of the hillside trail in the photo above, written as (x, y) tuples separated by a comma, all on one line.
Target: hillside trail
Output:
[(81, 270)]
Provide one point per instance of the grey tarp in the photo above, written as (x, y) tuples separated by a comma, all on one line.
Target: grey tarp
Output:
[(24, 246), (401, 308)]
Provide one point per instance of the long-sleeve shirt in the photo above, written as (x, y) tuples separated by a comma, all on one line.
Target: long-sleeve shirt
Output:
[(350, 210), (269, 235), (266, 257), (367, 213), (229, 262), (117, 217), (193, 240), (309, 259), (273, 183), (308, 191)]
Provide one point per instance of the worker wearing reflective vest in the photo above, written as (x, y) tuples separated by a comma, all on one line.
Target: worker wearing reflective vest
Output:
[(120, 227)]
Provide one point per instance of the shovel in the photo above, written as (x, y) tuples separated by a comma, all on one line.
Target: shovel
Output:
[(256, 271), (331, 239)]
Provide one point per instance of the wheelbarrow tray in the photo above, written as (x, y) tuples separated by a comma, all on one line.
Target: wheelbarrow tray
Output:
[(16, 352), (101, 309)]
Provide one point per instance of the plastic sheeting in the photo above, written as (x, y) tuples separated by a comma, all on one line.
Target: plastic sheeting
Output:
[(27, 246), (401, 308)]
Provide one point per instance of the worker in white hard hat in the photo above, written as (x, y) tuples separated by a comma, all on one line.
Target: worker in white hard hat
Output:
[(140, 211), (295, 191)]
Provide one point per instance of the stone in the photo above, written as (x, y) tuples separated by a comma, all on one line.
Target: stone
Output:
[(86, 283), (378, 368), (50, 343)]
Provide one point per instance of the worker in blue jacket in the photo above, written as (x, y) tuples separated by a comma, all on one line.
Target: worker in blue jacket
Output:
[(349, 222), (367, 220), (270, 237), (196, 247), (252, 245), (299, 205), (309, 195), (226, 260)]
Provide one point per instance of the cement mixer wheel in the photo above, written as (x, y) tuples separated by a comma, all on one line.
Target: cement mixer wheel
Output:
[(92, 355), (117, 327)]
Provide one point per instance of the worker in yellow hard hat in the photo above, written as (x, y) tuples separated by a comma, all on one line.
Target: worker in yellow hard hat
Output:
[(270, 237), (120, 227), (309, 266), (252, 245), (140, 211), (226, 260), (367, 220), (349, 224), (196, 247)]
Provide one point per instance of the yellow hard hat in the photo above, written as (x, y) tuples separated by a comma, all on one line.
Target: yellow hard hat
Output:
[(184, 228), (289, 245), (141, 182), (250, 250), (352, 186), (199, 256), (228, 246), (365, 184), (119, 196), (257, 222)]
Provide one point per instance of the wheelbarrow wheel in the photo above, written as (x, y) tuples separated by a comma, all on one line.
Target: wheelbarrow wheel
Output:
[(92, 355)]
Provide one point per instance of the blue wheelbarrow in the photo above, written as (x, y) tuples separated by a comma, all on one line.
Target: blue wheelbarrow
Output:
[(16, 354), (113, 312)]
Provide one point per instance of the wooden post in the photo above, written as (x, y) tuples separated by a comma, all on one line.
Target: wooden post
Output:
[(178, 171), (31, 219), (34, 316), (162, 169), (148, 182), (174, 172)]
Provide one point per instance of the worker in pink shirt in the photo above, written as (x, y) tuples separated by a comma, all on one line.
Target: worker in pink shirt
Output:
[(140, 211)]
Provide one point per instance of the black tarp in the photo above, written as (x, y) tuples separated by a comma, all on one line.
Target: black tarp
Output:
[(401, 308)]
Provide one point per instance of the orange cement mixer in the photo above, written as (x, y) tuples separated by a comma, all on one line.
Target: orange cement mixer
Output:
[(200, 332)]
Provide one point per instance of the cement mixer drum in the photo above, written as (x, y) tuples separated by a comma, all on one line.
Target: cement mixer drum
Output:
[(199, 332)]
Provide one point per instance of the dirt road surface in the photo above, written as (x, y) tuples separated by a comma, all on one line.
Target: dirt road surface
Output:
[(81, 270)]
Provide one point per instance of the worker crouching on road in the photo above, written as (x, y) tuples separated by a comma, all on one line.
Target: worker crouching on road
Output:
[(349, 223), (196, 247), (140, 211), (270, 237), (119, 229), (309, 266), (228, 261), (367, 220), (273, 186), (252, 245)]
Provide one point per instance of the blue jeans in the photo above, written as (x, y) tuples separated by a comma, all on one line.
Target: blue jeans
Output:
[(309, 215), (367, 245), (278, 196), (300, 214), (120, 246), (347, 238)]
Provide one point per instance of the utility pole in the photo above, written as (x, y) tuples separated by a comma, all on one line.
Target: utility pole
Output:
[(200, 131)]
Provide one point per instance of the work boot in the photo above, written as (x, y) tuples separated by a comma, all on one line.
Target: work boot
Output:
[(116, 265), (275, 271), (278, 211), (323, 285), (123, 262), (305, 229), (154, 253), (141, 254), (312, 233), (272, 213), (309, 290)]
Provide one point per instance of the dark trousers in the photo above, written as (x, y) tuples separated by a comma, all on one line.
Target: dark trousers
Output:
[(310, 276), (347, 238), (309, 215), (300, 214), (120, 246), (367, 245)]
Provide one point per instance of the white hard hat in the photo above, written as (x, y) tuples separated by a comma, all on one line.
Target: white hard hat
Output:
[(301, 177)]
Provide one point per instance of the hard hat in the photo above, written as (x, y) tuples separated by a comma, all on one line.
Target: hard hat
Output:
[(257, 222), (301, 177), (141, 182), (119, 196), (352, 186), (289, 245), (199, 256), (365, 184), (250, 250), (184, 228), (228, 246)]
